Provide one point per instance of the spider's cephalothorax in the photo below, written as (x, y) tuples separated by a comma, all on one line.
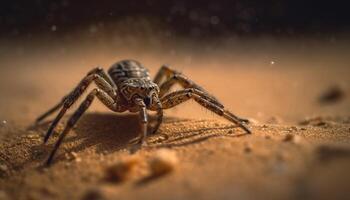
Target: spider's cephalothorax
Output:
[(128, 86), (133, 83)]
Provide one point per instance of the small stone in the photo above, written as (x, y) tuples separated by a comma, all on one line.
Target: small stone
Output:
[(294, 128), (33, 136), (332, 95), (78, 159), (123, 170), (3, 169), (292, 138), (163, 162), (247, 148), (288, 138), (94, 194), (73, 156), (3, 123), (230, 131)]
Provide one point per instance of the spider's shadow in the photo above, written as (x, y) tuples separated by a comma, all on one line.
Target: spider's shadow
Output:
[(106, 132)]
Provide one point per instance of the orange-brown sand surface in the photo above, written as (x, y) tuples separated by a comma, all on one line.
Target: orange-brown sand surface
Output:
[(299, 148)]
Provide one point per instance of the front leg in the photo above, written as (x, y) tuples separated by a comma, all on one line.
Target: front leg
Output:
[(181, 96), (141, 139)]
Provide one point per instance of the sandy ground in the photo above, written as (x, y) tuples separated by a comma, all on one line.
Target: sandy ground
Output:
[(299, 148)]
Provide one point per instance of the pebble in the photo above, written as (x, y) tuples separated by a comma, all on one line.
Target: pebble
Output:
[(163, 162), (73, 156), (332, 95), (247, 148), (292, 138), (3, 123), (123, 170), (294, 128), (94, 194), (3, 168), (33, 136)]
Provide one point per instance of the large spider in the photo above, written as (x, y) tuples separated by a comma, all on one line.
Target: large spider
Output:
[(128, 86)]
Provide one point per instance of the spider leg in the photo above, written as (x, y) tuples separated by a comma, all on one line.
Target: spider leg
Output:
[(184, 81), (76, 93), (80, 88), (159, 117), (140, 140), (102, 96), (164, 73), (181, 96), (172, 77)]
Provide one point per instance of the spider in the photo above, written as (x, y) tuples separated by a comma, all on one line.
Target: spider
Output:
[(128, 86)]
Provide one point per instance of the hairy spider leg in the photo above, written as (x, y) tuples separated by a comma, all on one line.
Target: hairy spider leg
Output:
[(178, 97), (97, 70), (171, 77), (102, 96), (140, 140), (76, 93), (167, 77), (159, 116)]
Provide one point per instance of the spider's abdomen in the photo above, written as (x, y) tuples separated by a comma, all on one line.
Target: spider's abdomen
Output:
[(127, 69)]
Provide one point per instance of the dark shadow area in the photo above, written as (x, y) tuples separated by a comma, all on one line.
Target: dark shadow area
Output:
[(107, 133)]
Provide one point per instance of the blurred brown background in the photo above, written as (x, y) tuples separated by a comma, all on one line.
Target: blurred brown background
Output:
[(282, 64)]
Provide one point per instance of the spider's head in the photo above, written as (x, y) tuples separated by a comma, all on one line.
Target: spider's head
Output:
[(142, 89)]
